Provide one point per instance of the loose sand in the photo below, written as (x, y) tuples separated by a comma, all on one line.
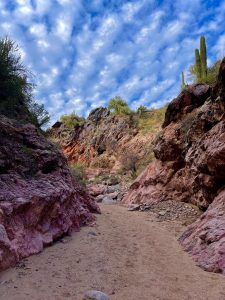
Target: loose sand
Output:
[(128, 255)]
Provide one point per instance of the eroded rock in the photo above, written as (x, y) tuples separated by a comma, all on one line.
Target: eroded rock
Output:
[(39, 199), (190, 167)]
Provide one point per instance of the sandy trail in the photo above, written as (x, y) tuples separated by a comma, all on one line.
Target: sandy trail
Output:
[(128, 255)]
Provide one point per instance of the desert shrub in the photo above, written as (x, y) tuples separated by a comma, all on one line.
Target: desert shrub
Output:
[(118, 106), (151, 121), (211, 75), (16, 92), (78, 172), (141, 110), (101, 161), (72, 120), (129, 160)]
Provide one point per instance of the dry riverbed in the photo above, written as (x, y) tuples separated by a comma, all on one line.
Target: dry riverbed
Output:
[(128, 255)]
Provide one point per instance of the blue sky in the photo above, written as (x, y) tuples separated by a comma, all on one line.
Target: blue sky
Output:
[(84, 52)]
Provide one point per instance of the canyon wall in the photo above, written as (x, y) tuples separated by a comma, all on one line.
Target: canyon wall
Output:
[(39, 199), (190, 167)]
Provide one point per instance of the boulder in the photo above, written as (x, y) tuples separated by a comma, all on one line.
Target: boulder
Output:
[(108, 200), (97, 189), (188, 100), (99, 198)]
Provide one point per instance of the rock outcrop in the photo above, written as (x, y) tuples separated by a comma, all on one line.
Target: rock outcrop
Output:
[(39, 199), (190, 167), (103, 140)]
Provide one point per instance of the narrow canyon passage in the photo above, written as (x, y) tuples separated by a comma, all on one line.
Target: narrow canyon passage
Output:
[(128, 255)]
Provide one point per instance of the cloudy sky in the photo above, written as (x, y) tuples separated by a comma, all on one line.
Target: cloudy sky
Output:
[(83, 52)]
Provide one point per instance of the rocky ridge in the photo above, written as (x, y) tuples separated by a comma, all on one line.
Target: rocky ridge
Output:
[(189, 167), (39, 199)]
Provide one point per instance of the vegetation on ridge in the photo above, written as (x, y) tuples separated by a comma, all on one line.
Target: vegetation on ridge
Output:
[(118, 106), (71, 120), (199, 71)]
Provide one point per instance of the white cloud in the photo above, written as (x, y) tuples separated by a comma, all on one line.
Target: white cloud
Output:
[(219, 48), (85, 52)]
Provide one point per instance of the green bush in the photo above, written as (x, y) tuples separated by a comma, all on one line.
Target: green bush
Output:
[(141, 110), (78, 172), (72, 120), (118, 106), (16, 92)]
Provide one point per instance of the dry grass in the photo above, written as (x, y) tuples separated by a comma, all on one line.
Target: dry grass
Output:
[(151, 121)]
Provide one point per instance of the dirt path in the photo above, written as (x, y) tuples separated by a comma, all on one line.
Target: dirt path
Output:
[(128, 255)]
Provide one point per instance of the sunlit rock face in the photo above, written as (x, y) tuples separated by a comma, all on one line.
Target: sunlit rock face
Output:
[(190, 167), (103, 140), (39, 199)]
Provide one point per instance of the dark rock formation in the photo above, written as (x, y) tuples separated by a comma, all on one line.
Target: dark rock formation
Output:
[(190, 167), (39, 199), (188, 100)]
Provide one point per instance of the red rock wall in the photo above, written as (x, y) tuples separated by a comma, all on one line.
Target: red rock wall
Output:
[(190, 167), (39, 199)]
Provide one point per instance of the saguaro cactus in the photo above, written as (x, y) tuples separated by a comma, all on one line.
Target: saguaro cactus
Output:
[(182, 83), (203, 57), (198, 68)]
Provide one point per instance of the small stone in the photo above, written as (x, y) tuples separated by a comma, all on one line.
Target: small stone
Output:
[(134, 207), (99, 198), (95, 295), (108, 200), (162, 213)]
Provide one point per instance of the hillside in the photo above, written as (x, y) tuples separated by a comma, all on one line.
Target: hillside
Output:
[(106, 141)]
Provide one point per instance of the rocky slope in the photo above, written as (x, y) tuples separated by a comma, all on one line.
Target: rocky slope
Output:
[(39, 199), (105, 139), (190, 167)]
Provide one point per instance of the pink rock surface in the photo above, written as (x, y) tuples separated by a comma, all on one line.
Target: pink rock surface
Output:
[(205, 239), (39, 199), (190, 167)]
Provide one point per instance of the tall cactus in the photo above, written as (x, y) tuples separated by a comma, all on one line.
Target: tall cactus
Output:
[(203, 57), (198, 68), (183, 82)]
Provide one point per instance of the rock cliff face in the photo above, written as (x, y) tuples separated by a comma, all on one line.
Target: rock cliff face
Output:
[(103, 140), (39, 199), (190, 167)]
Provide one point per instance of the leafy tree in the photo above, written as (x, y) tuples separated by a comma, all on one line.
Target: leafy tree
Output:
[(16, 92), (38, 114), (118, 106)]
